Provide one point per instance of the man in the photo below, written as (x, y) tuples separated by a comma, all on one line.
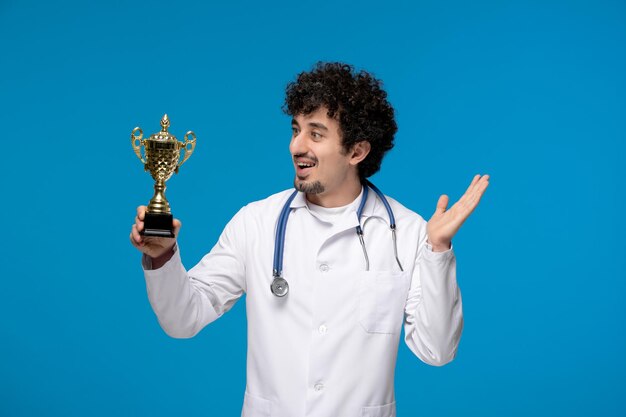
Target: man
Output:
[(328, 347)]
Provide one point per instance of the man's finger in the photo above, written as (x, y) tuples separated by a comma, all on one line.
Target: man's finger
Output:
[(177, 225), (474, 198), (139, 224), (136, 236), (442, 204), (141, 212), (480, 185), (474, 181), (478, 193), (475, 185), (463, 200), (466, 202)]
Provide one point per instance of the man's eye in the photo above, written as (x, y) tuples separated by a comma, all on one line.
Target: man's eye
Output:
[(294, 131), (316, 135)]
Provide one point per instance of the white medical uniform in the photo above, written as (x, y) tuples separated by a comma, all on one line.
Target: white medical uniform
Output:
[(329, 347)]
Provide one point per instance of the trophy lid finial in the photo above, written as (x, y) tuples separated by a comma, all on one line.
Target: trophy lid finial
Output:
[(165, 123), (163, 135)]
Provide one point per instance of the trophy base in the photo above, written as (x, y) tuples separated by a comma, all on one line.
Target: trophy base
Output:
[(158, 225)]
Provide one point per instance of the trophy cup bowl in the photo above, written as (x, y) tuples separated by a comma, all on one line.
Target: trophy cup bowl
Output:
[(162, 159)]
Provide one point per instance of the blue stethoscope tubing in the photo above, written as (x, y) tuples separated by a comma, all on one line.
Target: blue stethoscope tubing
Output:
[(279, 286)]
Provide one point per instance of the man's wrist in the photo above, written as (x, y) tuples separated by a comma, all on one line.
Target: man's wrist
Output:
[(439, 247), (161, 260)]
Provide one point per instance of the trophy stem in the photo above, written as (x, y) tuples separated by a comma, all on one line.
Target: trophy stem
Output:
[(159, 204), (158, 219)]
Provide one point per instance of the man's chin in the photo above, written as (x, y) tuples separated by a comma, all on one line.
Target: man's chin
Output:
[(308, 187)]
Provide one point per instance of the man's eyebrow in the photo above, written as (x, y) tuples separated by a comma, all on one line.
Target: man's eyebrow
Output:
[(294, 122), (318, 125)]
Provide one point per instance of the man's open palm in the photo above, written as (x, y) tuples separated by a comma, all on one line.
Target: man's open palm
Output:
[(444, 224)]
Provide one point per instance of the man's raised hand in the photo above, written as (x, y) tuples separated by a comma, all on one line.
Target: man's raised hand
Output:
[(444, 224)]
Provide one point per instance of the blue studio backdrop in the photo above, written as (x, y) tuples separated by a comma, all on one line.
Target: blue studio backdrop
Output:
[(532, 93)]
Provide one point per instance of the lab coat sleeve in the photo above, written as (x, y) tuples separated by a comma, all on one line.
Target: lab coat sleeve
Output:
[(184, 302), (434, 312)]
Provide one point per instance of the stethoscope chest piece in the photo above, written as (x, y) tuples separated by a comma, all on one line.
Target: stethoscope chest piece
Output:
[(279, 287)]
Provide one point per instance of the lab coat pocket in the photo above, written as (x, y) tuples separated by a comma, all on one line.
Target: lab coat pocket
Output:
[(387, 410), (254, 406), (382, 295)]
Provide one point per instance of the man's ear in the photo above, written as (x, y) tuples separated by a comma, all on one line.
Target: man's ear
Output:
[(360, 150)]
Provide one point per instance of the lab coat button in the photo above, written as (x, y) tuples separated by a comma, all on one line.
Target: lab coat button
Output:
[(318, 387), (324, 268), (322, 329)]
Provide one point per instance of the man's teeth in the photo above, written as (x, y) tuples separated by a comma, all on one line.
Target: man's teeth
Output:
[(305, 165)]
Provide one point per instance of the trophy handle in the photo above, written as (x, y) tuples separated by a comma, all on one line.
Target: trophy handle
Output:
[(185, 145), (137, 146)]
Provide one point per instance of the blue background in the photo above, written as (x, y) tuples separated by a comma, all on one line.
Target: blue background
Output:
[(530, 92)]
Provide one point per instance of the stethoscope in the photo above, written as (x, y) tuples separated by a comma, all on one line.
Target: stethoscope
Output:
[(279, 285)]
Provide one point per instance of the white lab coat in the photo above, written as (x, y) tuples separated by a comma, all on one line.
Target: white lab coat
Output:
[(329, 347)]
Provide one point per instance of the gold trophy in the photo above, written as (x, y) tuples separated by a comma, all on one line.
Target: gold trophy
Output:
[(162, 159)]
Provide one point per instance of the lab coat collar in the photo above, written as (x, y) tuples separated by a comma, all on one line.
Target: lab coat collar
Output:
[(298, 201), (373, 208)]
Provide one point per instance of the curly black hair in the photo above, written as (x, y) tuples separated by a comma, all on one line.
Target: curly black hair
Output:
[(355, 99)]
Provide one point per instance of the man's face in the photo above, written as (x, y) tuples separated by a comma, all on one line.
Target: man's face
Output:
[(322, 166)]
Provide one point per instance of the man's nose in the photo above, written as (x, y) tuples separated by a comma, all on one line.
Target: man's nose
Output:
[(297, 144)]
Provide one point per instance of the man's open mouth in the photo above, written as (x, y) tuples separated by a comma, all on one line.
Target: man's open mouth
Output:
[(303, 168)]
